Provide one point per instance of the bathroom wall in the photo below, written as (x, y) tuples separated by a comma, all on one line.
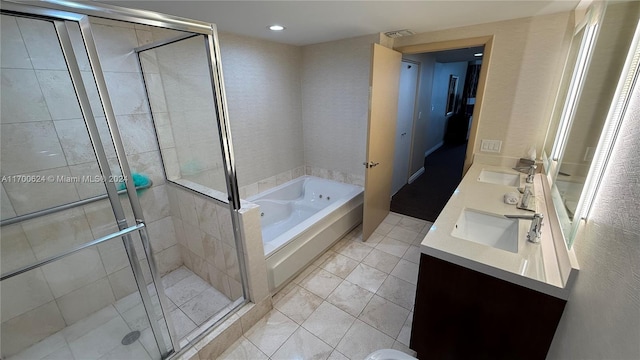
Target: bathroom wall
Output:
[(40, 302), (205, 238), (335, 95), (421, 125), (526, 64), (600, 320), (263, 86), (182, 101)]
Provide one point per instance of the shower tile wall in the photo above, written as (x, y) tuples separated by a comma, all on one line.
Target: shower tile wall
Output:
[(183, 108), (206, 241), (48, 137)]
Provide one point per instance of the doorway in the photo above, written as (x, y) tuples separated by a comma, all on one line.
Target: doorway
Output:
[(408, 92), (445, 101)]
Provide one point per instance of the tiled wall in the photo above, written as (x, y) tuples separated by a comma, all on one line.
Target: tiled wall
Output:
[(270, 182), (527, 58), (262, 83), (297, 110), (182, 102), (601, 319), (341, 176), (335, 94), (43, 133), (205, 238)]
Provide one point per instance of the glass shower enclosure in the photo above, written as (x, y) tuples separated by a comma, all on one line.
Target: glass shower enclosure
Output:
[(112, 122)]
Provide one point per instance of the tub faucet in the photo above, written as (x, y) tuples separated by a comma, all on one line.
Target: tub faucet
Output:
[(530, 170), (536, 225)]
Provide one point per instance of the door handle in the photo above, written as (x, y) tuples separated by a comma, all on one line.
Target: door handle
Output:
[(370, 164)]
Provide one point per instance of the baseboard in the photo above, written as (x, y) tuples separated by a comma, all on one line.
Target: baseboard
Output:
[(438, 145), (416, 175)]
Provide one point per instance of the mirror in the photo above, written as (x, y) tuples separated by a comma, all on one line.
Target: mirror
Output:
[(584, 101)]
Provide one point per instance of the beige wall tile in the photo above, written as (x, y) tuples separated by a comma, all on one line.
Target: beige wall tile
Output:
[(14, 53), (29, 147), (15, 250), (113, 255), (162, 234), (214, 253), (59, 94), (219, 280), (187, 206), (6, 209), (123, 283), (74, 271), (42, 44), (24, 292), (86, 300), (207, 217), (168, 259), (54, 234), (226, 226), (29, 328), (22, 99), (28, 197)]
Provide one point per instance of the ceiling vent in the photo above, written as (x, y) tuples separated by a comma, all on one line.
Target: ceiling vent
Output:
[(399, 33)]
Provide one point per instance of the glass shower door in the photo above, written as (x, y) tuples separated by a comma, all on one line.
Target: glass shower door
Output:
[(75, 282)]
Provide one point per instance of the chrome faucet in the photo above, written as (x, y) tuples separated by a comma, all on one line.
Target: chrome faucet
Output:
[(530, 170), (536, 225), (526, 195)]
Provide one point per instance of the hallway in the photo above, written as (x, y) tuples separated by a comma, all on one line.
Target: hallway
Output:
[(426, 196)]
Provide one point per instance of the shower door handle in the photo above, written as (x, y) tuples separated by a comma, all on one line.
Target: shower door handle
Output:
[(370, 164)]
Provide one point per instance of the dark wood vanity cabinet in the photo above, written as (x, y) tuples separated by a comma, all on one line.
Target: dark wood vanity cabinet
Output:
[(464, 314)]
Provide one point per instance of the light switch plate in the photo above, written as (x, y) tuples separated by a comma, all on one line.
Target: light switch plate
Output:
[(491, 145)]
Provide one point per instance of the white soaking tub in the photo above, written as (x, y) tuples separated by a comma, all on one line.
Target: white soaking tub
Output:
[(301, 219)]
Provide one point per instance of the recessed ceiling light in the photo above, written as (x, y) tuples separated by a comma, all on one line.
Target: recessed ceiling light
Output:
[(276, 27), (477, 54)]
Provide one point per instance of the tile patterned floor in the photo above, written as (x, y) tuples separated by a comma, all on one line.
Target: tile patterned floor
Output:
[(356, 298), (191, 302)]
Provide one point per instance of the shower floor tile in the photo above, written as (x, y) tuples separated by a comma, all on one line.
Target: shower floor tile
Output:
[(99, 335)]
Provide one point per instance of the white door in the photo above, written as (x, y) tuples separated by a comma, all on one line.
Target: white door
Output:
[(383, 110), (406, 109)]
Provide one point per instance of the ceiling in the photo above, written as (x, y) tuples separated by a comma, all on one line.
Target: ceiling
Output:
[(311, 22)]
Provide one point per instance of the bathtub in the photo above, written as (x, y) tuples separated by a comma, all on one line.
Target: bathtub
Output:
[(302, 218)]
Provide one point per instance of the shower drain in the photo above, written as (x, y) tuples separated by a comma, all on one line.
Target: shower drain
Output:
[(130, 338)]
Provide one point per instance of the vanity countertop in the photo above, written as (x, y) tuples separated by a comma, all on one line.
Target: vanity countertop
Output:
[(534, 266)]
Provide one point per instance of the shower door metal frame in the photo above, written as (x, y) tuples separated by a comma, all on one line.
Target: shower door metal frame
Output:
[(58, 18)]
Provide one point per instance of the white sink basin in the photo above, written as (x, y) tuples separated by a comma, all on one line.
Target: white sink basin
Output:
[(499, 178), (487, 229)]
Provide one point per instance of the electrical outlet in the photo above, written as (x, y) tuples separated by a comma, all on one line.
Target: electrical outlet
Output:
[(491, 145)]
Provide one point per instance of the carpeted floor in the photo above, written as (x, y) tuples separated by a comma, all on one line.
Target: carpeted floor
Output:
[(426, 196)]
